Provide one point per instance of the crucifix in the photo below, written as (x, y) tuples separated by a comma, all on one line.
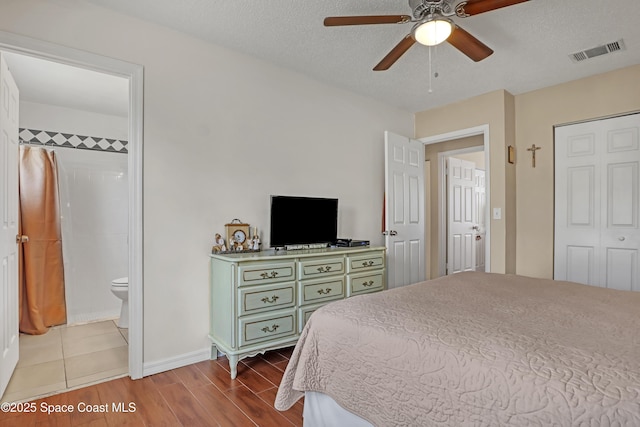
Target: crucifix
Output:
[(533, 154)]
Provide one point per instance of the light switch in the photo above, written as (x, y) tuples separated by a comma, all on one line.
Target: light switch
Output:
[(497, 213)]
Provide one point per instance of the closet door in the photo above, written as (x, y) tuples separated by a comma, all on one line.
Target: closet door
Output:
[(597, 235)]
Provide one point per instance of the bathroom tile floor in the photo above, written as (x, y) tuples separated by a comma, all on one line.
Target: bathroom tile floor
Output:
[(68, 357)]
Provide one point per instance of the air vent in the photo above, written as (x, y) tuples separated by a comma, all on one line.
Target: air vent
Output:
[(597, 51)]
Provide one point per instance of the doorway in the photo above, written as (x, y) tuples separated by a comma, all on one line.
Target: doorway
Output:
[(436, 236), (77, 119), (462, 177), (133, 73)]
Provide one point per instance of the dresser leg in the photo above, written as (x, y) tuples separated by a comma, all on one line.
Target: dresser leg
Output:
[(214, 352), (233, 366)]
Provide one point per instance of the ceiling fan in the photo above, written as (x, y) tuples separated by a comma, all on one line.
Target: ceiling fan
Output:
[(432, 26)]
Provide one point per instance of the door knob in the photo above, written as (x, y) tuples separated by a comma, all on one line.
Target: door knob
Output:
[(475, 227), (621, 238), (21, 238), (389, 233)]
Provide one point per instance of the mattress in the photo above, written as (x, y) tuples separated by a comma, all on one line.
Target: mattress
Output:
[(322, 411), (475, 349)]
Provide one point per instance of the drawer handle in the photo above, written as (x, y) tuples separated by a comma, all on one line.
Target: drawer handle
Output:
[(324, 269), (271, 275), (367, 263), (367, 284), (326, 291), (273, 328), (270, 300)]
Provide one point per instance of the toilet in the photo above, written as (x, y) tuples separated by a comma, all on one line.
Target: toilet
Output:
[(120, 288)]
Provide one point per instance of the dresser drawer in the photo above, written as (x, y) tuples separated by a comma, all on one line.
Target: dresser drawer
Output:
[(371, 261), (304, 313), (318, 267), (255, 299), (267, 326), (325, 289), (366, 282), (255, 274)]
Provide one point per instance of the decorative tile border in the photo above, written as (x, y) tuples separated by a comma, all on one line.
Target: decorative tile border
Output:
[(43, 137)]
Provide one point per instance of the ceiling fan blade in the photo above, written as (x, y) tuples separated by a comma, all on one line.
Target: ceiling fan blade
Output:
[(469, 45), (395, 53), (474, 7), (333, 21)]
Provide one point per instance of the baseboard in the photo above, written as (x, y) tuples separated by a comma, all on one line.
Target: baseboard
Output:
[(82, 318), (150, 368)]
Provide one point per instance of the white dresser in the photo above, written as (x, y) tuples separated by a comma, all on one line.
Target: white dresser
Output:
[(260, 301)]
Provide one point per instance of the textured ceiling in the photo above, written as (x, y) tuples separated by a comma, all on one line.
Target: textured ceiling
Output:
[(531, 40)]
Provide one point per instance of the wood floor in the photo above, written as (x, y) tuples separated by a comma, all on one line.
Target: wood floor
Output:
[(202, 394)]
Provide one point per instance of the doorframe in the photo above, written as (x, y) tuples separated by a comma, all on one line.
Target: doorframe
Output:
[(134, 73), (458, 134), (443, 204)]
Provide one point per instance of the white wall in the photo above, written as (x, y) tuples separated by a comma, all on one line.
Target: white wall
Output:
[(94, 200), (222, 131), (34, 115)]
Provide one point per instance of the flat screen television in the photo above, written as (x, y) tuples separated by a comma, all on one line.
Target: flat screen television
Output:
[(303, 220)]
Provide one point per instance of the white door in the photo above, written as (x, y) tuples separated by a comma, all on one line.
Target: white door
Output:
[(461, 225), (9, 211), (597, 191), (404, 210), (480, 207)]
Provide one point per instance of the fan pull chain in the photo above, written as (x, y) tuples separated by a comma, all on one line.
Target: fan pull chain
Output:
[(430, 90), (435, 61), (432, 64)]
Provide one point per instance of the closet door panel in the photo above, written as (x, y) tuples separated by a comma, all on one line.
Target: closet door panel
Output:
[(622, 195), (622, 269), (581, 264), (577, 209), (581, 196), (620, 232)]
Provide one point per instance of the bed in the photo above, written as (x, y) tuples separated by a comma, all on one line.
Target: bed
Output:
[(479, 349)]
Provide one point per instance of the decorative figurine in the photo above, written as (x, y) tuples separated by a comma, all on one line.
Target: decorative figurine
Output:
[(219, 245), (220, 242), (255, 243)]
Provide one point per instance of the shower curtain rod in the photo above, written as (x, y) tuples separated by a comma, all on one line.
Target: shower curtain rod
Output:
[(54, 145)]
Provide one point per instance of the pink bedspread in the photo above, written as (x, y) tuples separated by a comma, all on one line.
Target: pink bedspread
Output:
[(475, 349)]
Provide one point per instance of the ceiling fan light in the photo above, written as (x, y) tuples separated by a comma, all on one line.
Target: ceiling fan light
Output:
[(433, 32)]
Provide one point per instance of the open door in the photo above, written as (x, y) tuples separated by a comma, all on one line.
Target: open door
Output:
[(480, 206), (404, 210), (9, 333), (461, 218)]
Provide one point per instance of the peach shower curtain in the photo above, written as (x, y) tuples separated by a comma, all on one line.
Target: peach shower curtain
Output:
[(42, 302)]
